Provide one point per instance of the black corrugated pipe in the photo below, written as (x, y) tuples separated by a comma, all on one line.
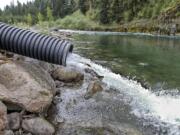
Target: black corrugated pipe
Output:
[(34, 45)]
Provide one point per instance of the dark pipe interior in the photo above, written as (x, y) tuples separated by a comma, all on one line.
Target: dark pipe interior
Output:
[(34, 45)]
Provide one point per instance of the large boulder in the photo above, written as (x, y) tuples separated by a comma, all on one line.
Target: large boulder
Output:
[(3, 116), (67, 75), (38, 126), (26, 85)]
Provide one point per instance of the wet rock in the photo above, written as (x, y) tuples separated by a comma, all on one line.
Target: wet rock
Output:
[(67, 75), (93, 73), (3, 116), (25, 85), (93, 88), (8, 132), (27, 134), (59, 84), (19, 132), (104, 130), (14, 120), (38, 126), (9, 54), (73, 130), (57, 99)]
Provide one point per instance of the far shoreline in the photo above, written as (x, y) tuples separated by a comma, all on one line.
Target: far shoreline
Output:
[(141, 34)]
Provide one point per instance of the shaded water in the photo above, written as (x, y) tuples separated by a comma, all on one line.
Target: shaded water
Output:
[(155, 60)]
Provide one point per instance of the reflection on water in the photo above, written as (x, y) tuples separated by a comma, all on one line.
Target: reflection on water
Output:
[(155, 60)]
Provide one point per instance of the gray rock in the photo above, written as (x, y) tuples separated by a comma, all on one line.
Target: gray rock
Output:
[(93, 73), (3, 116), (67, 75), (19, 132), (14, 120), (25, 85), (8, 132), (38, 126), (27, 134), (57, 99), (93, 88)]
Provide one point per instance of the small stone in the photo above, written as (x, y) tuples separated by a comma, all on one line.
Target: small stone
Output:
[(38, 126), (93, 88), (59, 84), (59, 119), (9, 54), (8, 132), (27, 134), (67, 75), (57, 100), (93, 73), (14, 121), (19, 132), (3, 116)]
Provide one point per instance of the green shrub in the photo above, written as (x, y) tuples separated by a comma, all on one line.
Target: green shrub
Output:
[(76, 21)]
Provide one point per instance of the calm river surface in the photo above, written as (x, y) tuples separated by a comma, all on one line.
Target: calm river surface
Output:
[(154, 60)]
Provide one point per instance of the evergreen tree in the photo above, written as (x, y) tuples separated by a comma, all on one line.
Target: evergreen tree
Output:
[(116, 10), (83, 6), (104, 12), (1, 12)]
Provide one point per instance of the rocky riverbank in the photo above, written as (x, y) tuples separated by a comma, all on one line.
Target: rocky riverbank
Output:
[(27, 90), (37, 98)]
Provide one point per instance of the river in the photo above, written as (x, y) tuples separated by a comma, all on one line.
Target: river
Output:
[(123, 59)]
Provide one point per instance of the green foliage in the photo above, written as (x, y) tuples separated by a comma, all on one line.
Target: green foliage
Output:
[(93, 14), (127, 16), (40, 17), (49, 14), (29, 19), (116, 10), (62, 8), (83, 6), (86, 13), (105, 12), (76, 21)]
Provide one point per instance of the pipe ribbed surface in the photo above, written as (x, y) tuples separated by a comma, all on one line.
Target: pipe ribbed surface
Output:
[(34, 45)]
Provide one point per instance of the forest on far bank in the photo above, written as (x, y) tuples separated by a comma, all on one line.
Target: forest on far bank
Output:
[(93, 14)]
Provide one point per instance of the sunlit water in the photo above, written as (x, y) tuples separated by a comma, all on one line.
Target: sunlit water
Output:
[(161, 110)]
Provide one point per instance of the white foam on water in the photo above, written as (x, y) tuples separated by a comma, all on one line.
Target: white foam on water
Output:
[(145, 104)]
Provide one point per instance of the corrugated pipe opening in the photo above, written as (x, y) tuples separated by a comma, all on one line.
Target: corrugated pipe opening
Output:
[(34, 45)]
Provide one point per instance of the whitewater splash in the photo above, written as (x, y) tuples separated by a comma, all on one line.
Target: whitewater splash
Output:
[(144, 103)]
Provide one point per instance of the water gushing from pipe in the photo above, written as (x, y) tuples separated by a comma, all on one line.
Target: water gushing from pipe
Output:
[(144, 103)]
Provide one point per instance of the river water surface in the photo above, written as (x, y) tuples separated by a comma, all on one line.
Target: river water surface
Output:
[(155, 60)]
